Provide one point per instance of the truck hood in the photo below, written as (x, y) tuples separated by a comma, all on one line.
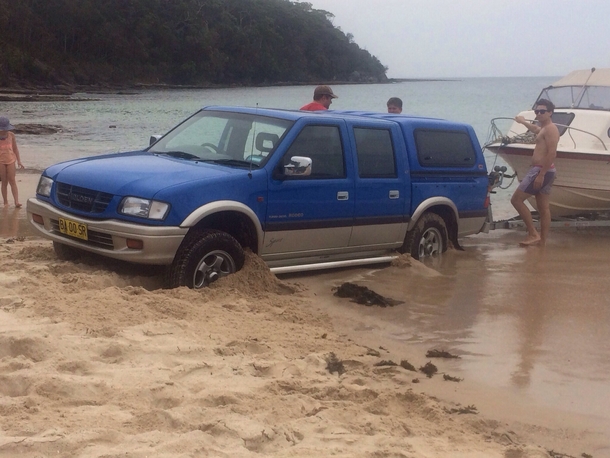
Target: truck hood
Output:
[(136, 173)]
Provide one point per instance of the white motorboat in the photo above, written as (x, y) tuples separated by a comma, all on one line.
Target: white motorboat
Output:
[(582, 114)]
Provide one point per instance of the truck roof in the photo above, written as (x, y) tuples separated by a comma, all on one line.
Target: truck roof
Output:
[(294, 115), (405, 119)]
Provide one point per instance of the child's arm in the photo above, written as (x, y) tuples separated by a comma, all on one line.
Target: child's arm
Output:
[(16, 151)]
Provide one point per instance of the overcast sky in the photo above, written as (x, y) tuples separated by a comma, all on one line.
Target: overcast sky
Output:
[(469, 38)]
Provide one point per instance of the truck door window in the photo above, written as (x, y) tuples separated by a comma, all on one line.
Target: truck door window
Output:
[(375, 153), (322, 144), (441, 148)]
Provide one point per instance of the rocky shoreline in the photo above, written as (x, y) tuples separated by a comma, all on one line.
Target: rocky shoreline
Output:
[(43, 98), (37, 129), (66, 93)]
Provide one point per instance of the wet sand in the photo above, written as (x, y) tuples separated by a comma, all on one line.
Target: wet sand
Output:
[(13, 222), (531, 327)]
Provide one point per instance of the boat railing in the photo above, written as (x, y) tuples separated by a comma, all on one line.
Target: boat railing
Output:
[(496, 135)]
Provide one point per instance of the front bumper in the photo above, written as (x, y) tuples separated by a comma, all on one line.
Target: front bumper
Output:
[(109, 237)]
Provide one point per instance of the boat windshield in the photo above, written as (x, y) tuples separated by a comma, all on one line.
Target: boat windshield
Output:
[(587, 98)]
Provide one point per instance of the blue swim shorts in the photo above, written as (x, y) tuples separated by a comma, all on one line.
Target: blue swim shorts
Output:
[(527, 184)]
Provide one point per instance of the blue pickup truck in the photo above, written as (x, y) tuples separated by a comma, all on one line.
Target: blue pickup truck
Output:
[(303, 190)]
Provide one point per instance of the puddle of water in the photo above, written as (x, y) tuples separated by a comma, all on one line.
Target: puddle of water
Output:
[(532, 321), (14, 223)]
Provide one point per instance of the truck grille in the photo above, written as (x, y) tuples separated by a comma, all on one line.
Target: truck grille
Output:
[(98, 239), (82, 199)]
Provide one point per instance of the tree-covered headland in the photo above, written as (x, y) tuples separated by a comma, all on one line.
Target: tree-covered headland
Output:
[(177, 42)]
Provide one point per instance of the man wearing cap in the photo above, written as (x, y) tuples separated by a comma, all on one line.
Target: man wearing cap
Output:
[(322, 98)]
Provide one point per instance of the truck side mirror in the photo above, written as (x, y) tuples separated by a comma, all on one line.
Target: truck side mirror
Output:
[(298, 166)]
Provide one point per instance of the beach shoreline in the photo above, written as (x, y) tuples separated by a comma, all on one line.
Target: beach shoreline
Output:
[(66, 92)]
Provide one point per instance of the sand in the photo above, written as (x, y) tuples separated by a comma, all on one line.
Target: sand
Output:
[(97, 360), (97, 363)]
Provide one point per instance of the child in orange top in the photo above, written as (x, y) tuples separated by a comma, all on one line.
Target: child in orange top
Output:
[(9, 160)]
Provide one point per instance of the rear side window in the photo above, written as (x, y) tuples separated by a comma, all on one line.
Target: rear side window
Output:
[(375, 153), (441, 148)]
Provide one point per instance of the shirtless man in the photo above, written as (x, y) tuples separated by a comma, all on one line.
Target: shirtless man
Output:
[(541, 174)]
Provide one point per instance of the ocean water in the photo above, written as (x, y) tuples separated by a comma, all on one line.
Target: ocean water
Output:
[(111, 122)]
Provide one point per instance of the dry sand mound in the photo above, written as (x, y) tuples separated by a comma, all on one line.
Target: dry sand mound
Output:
[(96, 361)]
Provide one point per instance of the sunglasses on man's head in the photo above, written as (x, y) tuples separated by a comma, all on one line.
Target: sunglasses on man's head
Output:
[(541, 111)]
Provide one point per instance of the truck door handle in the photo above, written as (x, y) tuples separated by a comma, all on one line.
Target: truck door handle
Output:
[(394, 194), (342, 195)]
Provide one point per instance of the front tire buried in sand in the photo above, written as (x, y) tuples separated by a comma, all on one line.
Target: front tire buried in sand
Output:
[(203, 258), (66, 252)]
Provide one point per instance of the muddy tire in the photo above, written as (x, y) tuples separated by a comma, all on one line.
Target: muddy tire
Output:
[(66, 252), (203, 258), (427, 238)]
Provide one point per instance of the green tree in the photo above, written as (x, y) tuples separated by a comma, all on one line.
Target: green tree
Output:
[(195, 42)]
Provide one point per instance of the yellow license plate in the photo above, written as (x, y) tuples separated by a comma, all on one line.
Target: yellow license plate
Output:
[(73, 229)]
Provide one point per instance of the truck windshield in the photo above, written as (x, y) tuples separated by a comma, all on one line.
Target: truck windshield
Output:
[(231, 139)]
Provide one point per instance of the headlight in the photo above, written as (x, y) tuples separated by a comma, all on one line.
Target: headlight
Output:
[(44, 186), (143, 208)]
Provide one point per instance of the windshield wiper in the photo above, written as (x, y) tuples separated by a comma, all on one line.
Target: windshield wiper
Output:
[(180, 154), (236, 162)]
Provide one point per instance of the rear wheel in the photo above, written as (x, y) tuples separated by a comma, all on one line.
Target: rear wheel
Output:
[(66, 252), (203, 258), (428, 237)]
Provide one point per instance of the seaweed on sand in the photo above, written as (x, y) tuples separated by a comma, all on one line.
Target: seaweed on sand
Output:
[(363, 295), (334, 364), (429, 369), (440, 354)]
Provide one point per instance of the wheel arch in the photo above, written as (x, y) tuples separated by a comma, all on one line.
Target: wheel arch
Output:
[(443, 207), (231, 217)]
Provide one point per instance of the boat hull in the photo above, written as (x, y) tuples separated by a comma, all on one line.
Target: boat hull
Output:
[(582, 185)]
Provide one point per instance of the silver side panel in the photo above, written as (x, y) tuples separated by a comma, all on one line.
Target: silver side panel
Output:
[(308, 240), (470, 226), (392, 235)]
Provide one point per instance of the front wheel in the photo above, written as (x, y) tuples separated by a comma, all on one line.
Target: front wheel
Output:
[(203, 258), (427, 238)]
